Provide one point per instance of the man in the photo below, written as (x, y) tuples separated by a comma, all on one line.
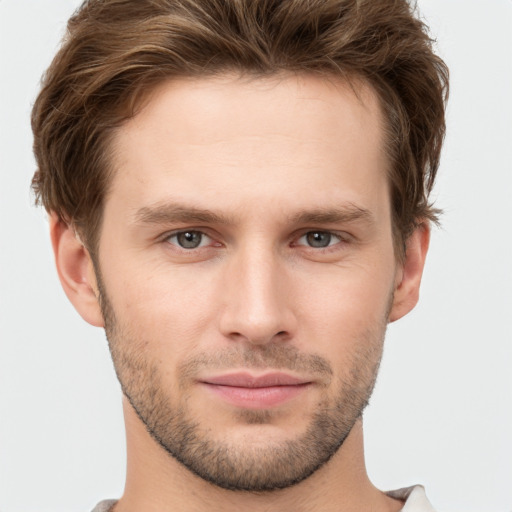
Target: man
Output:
[(238, 193)]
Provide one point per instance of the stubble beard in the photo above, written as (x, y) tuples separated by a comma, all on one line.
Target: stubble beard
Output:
[(259, 468)]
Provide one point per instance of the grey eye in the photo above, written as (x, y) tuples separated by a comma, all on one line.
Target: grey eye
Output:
[(188, 239), (318, 239)]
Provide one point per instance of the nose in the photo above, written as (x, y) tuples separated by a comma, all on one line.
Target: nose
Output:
[(256, 298)]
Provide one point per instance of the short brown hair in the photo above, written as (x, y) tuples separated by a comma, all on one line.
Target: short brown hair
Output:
[(116, 51)]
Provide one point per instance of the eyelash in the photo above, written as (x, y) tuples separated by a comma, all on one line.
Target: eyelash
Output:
[(330, 234), (340, 238), (176, 234)]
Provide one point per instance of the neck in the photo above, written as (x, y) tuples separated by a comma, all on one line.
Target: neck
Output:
[(157, 482)]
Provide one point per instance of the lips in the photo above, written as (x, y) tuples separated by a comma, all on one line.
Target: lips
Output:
[(256, 391), (246, 380)]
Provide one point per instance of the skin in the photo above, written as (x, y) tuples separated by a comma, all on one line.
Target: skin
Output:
[(272, 161)]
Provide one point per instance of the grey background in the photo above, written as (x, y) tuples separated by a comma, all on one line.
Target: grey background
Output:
[(442, 411)]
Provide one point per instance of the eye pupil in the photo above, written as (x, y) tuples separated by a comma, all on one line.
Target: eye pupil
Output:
[(318, 239), (189, 239)]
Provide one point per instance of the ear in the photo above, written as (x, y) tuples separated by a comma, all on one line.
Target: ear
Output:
[(408, 280), (76, 271)]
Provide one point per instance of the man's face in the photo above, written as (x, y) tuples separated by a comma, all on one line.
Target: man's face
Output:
[(247, 271)]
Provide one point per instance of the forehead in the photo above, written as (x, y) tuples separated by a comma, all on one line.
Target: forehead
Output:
[(261, 138), (210, 108)]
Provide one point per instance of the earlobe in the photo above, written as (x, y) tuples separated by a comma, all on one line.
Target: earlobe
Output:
[(75, 270), (409, 275)]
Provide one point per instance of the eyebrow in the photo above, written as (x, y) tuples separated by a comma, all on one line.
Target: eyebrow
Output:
[(169, 213), (347, 213)]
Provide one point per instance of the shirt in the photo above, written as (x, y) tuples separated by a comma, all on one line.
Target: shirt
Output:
[(416, 500)]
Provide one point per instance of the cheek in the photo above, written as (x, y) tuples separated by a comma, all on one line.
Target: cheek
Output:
[(346, 308), (353, 291), (167, 308)]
